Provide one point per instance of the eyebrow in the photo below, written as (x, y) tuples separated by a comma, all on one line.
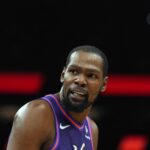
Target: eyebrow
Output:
[(94, 70)]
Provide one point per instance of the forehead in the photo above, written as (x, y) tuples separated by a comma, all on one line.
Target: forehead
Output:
[(86, 59)]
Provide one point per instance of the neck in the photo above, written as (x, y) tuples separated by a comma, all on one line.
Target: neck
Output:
[(78, 116)]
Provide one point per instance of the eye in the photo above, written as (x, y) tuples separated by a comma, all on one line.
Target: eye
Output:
[(73, 71), (92, 76)]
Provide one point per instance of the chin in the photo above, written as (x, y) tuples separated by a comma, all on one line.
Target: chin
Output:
[(76, 102), (75, 105)]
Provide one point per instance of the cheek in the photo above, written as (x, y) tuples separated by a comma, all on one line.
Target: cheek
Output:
[(94, 90), (94, 86), (67, 78), (66, 84)]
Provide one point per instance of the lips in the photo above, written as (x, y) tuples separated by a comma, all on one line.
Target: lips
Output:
[(78, 94)]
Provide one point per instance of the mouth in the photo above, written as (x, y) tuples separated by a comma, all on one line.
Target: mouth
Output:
[(78, 95)]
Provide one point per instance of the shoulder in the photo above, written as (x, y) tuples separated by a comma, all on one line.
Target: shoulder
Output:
[(93, 125), (33, 127), (95, 132), (34, 109), (36, 119)]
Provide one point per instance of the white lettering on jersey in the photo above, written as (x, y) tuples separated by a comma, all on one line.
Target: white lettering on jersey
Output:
[(82, 147)]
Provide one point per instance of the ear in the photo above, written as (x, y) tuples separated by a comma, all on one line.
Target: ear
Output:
[(103, 87), (62, 75)]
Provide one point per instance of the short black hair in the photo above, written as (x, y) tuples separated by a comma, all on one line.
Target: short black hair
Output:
[(90, 49)]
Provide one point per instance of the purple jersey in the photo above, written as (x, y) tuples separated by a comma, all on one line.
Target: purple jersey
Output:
[(70, 134)]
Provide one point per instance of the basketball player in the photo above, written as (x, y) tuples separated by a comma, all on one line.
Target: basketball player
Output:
[(60, 121)]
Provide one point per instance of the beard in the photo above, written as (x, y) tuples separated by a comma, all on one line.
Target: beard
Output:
[(75, 107)]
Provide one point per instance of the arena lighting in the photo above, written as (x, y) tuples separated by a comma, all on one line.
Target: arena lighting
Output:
[(21, 83), (32, 83), (133, 142), (128, 85)]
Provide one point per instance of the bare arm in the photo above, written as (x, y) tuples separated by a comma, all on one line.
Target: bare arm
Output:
[(33, 126), (95, 133)]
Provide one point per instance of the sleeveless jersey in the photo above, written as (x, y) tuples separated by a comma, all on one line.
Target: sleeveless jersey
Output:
[(70, 134)]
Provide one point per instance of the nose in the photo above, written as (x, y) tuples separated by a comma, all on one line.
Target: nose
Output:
[(81, 80)]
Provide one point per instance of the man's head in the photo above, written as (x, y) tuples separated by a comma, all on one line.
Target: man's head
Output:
[(90, 49), (83, 77)]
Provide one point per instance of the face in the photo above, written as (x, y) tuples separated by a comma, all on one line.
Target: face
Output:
[(82, 80)]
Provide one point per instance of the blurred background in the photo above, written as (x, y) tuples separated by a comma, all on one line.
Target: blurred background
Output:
[(36, 37)]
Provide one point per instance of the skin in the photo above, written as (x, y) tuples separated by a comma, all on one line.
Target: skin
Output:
[(34, 125)]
